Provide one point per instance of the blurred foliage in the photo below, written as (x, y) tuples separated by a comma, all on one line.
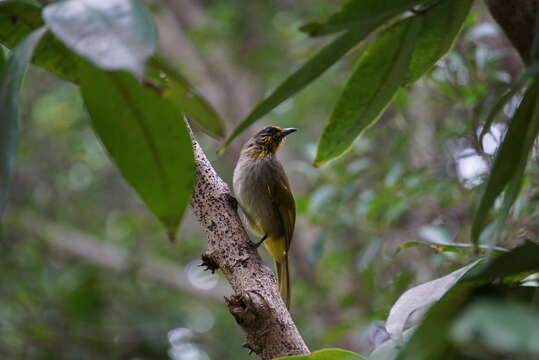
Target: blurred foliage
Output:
[(414, 177)]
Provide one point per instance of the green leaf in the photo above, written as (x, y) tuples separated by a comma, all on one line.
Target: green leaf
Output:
[(511, 156), (179, 92), (507, 327), (52, 55), (326, 354), (413, 243), (313, 68), (498, 106), (440, 27), (2, 60), (364, 12), (521, 260), (146, 137), (430, 340), (18, 18), (451, 247), (510, 195), (113, 34), (390, 348), (376, 78), (11, 82), (405, 312)]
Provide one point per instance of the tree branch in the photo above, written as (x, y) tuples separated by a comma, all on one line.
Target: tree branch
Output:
[(256, 305), (517, 19)]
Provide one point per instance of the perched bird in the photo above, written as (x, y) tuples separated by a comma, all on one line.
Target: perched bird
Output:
[(262, 190)]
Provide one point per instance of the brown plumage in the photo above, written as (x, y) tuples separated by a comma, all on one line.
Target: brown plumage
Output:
[(263, 192)]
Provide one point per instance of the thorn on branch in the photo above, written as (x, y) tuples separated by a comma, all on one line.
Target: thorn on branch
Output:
[(241, 307), (209, 263)]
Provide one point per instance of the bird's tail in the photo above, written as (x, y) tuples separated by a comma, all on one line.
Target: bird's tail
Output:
[(283, 279)]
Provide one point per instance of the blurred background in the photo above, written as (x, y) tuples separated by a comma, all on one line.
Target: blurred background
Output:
[(87, 271)]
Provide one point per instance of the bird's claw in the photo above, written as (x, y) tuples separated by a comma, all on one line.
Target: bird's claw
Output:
[(232, 202), (256, 245)]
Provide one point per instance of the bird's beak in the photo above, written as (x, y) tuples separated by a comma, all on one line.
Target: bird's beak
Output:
[(287, 131)]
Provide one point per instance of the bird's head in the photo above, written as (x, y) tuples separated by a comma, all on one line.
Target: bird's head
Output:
[(267, 141)]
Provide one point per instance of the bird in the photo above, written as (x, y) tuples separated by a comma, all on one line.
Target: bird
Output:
[(265, 199)]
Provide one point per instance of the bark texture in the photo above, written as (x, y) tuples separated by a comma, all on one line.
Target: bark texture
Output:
[(256, 305), (517, 19)]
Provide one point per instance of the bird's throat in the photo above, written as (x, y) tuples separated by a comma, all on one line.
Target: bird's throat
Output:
[(260, 152)]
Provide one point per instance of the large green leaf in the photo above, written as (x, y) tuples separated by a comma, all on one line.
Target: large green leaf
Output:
[(11, 80), (365, 12), (52, 55), (440, 27), (113, 34), (147, 139), (376, 78), (18, 18), (313, 68), (326, 354), (419, 298), (511, 158), (431, 338), (179, 91)]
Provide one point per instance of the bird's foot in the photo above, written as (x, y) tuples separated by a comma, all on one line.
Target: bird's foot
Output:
[(256, 245), (232, 202)]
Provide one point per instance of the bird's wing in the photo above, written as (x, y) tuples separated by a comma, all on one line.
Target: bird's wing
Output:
[(284, 204), (250, 220)]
